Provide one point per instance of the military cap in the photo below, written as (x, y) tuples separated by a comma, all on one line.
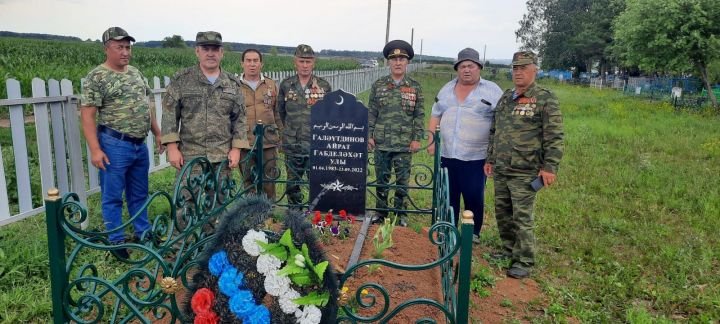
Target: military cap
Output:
[(304, 51), (116, 33), (524, 58), (208, 38), (398, 48), (468, 54)]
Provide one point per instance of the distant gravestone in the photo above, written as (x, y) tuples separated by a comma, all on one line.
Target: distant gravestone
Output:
[(338, 153), (637, 90)]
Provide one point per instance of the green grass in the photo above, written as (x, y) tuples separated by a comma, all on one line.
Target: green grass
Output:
[(628, 234)]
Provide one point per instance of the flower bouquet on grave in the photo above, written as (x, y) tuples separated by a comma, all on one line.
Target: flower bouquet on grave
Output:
[(248, 275), (327, 227)]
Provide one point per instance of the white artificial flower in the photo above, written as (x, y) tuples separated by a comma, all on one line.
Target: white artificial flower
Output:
[(267, 263), (287, 304), (310, 314), (276, 285), (249, 244)]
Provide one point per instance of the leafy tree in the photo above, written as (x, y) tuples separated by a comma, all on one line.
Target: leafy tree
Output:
[(174, 41), (662, 35), (273, 51), (569, 33)]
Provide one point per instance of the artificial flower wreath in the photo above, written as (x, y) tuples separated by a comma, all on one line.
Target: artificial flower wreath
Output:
[(250, 275)]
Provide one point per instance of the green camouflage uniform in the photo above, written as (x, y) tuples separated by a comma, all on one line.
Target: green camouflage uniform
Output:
[(395, 118), (526, 136), (121, 99), (212, 115), (293, 105)]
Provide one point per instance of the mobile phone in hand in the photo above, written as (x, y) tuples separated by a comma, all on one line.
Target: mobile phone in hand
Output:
[(537, 184)]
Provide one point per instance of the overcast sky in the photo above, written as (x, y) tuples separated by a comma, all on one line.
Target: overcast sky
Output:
[(446, 26)]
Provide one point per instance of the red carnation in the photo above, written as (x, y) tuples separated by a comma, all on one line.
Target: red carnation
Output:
[(329, 218), (317, 217), (202, 301), (351, 218), (343, 214), (206, 318)]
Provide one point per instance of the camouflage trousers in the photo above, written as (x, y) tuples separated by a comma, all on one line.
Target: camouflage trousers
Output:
[(297, 167), (269, 170), (514, 201), (385, 163)]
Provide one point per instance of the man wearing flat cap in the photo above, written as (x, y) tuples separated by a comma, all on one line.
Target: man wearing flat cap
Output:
[(526, 146), (296, 95), (464, 110), (203, 110), (117, 94), (395, 128)]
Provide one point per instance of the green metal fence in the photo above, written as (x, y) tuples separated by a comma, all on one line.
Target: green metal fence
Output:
[(93, 283)]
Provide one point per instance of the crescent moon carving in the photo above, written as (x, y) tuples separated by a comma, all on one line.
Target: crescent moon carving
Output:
[(341, 101)]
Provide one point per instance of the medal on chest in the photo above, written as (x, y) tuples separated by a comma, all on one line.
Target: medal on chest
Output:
[(291, 96), (314, 94), (525, 107), (409, 98), (268, 99)]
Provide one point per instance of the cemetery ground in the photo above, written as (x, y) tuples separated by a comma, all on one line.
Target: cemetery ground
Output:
[(629, 233)]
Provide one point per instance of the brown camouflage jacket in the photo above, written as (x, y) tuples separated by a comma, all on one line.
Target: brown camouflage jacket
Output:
[(260, 106)]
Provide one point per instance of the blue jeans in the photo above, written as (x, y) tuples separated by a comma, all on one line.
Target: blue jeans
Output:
[(467, 179), (127, 171)]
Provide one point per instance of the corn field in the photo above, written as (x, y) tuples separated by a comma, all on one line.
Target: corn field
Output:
[(25, 59)]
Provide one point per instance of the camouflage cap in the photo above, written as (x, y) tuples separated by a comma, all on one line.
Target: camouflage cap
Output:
[(398, 48), (208, 38), (524, 58), (304, 51), (116, 33)]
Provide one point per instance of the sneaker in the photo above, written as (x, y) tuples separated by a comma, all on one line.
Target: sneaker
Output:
[(476, 239), (518, 272)]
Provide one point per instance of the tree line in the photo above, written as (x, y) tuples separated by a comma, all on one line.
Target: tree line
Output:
[(667, 37)]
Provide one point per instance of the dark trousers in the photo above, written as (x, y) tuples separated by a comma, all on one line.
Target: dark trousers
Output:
[(467, 179)]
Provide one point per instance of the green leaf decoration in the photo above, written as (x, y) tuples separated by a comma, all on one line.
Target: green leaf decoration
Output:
[(302, 279), (320, 270), (313, 298), (290, 269), (274, 249)]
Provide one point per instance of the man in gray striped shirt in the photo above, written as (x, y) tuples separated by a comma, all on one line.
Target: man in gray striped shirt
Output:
[(464, 110)]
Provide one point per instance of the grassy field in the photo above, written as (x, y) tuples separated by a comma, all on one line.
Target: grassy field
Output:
[(629, 234)]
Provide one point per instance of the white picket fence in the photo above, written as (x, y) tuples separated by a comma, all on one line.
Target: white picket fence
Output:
[(62, 163)]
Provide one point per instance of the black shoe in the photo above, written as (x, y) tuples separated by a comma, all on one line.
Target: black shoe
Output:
[(402, 222), (121, 253), (518, 272)]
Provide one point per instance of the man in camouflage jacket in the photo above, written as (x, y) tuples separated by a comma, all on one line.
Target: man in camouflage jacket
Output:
[(395, 127), (117, 94), (526, 142), (296, 95), (203, 109)]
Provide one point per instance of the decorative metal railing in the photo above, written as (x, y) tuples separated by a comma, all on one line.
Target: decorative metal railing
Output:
[(92, 281)]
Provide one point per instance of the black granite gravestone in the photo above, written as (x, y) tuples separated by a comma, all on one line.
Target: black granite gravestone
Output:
[(338, 153)]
